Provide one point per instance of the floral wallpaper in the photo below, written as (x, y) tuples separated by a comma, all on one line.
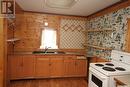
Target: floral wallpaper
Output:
[(117, 21)]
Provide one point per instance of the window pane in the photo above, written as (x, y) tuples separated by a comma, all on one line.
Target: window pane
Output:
[(48, 38)]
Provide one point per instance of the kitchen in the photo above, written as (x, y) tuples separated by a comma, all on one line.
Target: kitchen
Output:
[(52, 43)]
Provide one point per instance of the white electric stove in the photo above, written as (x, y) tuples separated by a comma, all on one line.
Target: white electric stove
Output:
[(102, 74)]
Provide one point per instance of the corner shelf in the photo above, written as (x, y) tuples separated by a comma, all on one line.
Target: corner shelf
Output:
[(99, 30), (98, 47), (13, 40)]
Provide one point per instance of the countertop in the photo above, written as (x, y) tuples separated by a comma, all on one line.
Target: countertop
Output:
[(30, 53), (125, 79)]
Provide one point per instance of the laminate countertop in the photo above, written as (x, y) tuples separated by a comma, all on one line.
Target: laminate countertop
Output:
[(30, 53), (125, 79)]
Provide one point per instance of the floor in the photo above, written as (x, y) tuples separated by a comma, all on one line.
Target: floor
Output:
[(68, 82)]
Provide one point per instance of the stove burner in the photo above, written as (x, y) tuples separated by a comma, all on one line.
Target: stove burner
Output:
[(120, 69), (109, 69), (109, 64), (99, 65)]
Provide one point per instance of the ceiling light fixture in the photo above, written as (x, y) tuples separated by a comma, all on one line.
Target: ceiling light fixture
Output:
[(60, 3)]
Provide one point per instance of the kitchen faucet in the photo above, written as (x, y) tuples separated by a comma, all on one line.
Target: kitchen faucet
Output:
[(46, 48)]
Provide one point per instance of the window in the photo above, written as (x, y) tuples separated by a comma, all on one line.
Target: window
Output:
[(48, 39)]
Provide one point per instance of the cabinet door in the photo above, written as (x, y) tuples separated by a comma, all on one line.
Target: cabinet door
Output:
[(69, 66), (28, 66), (42, 66), (102, 60), (15, 66), (81, 67), (56, 66), (93, 60)]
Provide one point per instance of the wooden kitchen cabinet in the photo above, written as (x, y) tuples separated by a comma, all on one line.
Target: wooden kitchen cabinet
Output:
[(46, 66), (81, 67), (43, 66), (97, 59), (92, 59), (15, 66), (56, 68), (75, 67), (49, 66), (102, 60), (28, 66), (69, 66), (21, 66)]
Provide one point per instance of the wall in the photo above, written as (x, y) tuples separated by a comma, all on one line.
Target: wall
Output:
[(31, 24), (29, 31), (72, 33), (117, 21)]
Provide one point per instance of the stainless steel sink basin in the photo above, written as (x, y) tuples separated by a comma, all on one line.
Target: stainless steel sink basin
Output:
[(48, 52), (40, 52)]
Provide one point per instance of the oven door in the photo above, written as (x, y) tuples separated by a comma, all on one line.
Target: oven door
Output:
[(97, 79)]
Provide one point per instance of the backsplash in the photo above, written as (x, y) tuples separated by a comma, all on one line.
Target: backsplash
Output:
[(71, 33), (117, 21)]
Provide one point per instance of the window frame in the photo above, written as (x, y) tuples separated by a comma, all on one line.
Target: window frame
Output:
[(57, 36)]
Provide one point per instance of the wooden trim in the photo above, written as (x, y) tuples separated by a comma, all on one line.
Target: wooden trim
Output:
[(114, 7), (118, 82), (99, 30), (5, 52), (98, 47), (127, 43), (54, 14), (2, 72)]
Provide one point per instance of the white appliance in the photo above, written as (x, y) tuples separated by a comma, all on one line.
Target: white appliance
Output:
[(102, 74)]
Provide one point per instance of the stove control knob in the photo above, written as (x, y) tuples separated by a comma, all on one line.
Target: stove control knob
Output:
[(120, 60), (121, 56)]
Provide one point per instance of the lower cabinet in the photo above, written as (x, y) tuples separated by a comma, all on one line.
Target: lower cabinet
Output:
[(69, 66), (81, 67), (28, 66), (56, 68), (15, 66), (75, 67), (42, 66), (45, 66), (21, 66), (97, 59)]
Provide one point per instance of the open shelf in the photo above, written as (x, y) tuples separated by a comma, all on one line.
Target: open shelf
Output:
[(98, 47), (13, 40), (99, 30)]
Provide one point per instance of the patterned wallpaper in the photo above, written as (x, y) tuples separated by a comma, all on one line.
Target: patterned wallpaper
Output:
[(71, 33), (116, 39)]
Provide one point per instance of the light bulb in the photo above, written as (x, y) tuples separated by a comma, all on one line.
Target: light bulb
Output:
[(46, 24)]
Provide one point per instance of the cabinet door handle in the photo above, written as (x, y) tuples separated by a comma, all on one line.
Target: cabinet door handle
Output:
[(49, 64), (76, 63), (21, 65)]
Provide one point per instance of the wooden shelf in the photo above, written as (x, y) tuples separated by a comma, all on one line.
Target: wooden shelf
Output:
[(99, 30), (98, 47), (13, 40)]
